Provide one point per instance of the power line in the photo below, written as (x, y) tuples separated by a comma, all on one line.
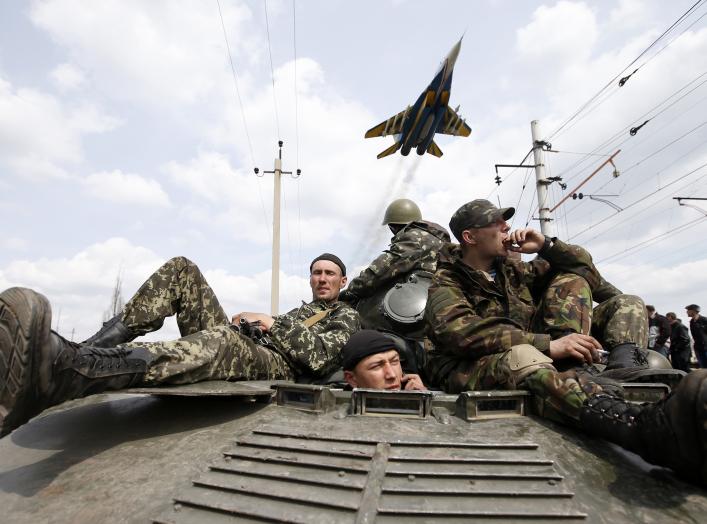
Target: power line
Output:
[(234, 75), (272, 70), (645, 243), (235, 82), (299, 206), (642, 199), (584, 106), (622, 132)]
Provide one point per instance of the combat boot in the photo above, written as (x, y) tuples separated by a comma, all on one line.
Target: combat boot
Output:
[(39, 368), (670, 433), (629, 363), (112, 333)]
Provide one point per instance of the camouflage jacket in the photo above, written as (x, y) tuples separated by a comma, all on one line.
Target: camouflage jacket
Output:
[(314, 351), (467, 316), (414, 247)]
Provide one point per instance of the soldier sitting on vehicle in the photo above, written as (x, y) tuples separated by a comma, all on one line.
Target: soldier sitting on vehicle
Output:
[(390, 293), (43, 369), (371, 360), (498, 323)]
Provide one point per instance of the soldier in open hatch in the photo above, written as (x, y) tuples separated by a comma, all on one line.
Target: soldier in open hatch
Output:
[(405, 267), (39, 368), (499, 323)]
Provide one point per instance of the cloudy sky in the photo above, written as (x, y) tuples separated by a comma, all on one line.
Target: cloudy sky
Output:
[(125, 139)]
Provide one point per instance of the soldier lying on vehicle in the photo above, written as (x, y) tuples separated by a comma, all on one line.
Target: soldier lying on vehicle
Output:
[(44, 369), (500, 323)]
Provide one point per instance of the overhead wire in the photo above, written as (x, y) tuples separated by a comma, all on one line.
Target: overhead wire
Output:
[(234, 75), (297, 165), (645, 137), (272, 70), (645, 243), (637, 201), (611, 82)]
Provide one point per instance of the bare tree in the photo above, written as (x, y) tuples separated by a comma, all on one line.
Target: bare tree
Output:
[(116, 301)]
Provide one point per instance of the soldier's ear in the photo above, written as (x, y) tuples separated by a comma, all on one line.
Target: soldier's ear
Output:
[(343, 282), (468, 238), (350, 379)]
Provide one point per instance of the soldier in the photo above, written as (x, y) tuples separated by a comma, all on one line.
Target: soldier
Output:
[(371, 360), (502, 323), (679, 343), (42, 369), (406, 267)]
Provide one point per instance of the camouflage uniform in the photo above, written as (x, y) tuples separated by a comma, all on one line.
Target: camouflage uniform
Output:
[(473, 322), (212, 349), (413, 248)]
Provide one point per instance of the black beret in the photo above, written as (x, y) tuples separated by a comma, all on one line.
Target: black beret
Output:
[(330, 258), (363, 344)]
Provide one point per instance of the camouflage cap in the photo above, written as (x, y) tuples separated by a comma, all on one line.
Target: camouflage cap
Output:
[(477, 213)]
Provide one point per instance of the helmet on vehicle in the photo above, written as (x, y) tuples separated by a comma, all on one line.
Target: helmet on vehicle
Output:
[(401, 211), (657, 361)]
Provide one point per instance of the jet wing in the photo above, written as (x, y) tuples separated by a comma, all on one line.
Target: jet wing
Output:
[(453, 124), (392, 126)]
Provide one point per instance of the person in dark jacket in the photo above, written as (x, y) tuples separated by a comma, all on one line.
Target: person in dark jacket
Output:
[(679, 343), (658, 331), (698, 329)]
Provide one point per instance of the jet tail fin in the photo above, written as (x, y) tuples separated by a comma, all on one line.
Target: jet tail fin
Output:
[(433, 149), (392, 149)]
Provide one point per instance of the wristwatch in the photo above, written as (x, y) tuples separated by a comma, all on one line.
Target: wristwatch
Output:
[(549, 242)]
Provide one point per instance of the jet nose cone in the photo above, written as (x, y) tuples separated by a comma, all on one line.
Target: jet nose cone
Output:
[(454, 53)]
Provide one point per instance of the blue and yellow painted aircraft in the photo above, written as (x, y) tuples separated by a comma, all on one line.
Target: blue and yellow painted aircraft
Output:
[(416, 126)]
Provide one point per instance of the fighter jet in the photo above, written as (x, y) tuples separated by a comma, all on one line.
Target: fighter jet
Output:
[(416, 126)]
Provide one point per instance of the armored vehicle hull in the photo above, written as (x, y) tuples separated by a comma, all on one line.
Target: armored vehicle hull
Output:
[(225, 453)]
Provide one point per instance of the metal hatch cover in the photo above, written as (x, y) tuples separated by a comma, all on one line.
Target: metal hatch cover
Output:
[(290, 474)]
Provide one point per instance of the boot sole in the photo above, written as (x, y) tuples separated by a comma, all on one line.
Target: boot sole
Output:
[(25, 323)]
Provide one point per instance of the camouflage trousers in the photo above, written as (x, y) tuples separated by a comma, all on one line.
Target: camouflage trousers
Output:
[(566, 307), (210, 348), (556, 395)]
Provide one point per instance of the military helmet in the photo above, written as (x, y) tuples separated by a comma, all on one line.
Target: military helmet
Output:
[(657, 361), (401, 211)]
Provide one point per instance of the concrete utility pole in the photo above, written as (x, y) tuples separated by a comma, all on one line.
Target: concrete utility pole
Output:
[(546, 226), (275, 280)]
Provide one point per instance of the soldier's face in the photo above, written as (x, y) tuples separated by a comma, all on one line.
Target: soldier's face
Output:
[(379, 371), (326, 281), (491, 240)]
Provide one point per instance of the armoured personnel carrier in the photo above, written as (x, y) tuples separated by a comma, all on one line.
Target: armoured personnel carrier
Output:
[(219, 452)]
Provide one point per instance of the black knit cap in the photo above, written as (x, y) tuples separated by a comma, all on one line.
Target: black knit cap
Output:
[(363, 344), (330, 258)]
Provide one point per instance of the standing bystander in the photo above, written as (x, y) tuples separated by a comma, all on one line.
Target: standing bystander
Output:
[(658, 331), (679, 343), (698, 329)]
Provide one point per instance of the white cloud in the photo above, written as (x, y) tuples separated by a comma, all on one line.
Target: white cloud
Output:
[(40, 136), (67, 77), (126, 188), (629, 14), (168, 53), (564, 32)]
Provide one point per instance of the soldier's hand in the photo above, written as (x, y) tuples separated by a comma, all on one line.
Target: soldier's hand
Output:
[(412, 382), (575, 345), (265, 322), (526, 240)]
